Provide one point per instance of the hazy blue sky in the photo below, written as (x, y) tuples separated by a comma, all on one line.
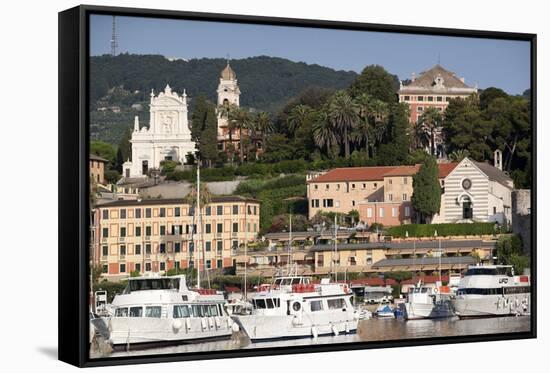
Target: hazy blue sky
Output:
[(503, 64)]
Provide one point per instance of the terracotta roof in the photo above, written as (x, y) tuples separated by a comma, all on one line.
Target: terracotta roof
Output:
[(354, 174), (376, 173), (427, 79), (446, 168), (403, 171)]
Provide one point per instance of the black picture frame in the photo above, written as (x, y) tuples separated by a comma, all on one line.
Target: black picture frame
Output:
[(74, 183)]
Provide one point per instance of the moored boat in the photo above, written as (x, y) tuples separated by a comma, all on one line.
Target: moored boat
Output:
[(427, 302), (163, 310), (492, 290), (294, 307)]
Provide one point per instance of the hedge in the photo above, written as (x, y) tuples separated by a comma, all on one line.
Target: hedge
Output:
[(443, 230)]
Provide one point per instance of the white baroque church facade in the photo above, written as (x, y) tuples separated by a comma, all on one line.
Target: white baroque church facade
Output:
[(167, 137)]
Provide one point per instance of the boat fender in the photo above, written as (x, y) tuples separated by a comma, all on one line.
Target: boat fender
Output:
[(335, 330), (188, 324), (210, 322), (203, 323), (347, 328), (314, 332), (176, 325), (235, 327), (229, 322), (218, 322)]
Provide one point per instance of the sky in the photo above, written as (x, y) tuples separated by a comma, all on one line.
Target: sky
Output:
[(486, 62)]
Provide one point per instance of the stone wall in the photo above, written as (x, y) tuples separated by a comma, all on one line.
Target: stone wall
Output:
[(521, 216)]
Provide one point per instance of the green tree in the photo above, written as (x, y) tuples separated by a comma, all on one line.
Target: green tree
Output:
[(426, 198), (208, 142), (396, 150), (488, 95), (465, 127), (376, 82), (124, 149), (510, 252), (343, 114), (104, 150), (428, 128), (324, 134), (264, 126), (198, 118), (242, 120)]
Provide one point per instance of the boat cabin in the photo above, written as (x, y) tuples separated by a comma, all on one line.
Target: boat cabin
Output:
[(176, 283)]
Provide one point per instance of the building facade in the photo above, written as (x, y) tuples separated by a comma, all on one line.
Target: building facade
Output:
[(154, 236), (476, 191), (229, 96), (432, 88), (313, 253), (471, 191), (97, 168), (167, 137)]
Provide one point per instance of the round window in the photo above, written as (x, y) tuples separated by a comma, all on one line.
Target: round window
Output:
[(296, 306), (466, 184)]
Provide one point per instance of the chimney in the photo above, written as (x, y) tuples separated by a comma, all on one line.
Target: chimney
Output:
[(498, 159), (413, 77), (136, 123)]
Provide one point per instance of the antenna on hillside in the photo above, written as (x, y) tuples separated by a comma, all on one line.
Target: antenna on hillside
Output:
[(114, 43)]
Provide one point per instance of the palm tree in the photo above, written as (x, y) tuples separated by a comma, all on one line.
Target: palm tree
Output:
[(429, 125), (242, 121), (459, 155), (343, 114), (324, 135), (264, 126), (363, 131), (298, 116)]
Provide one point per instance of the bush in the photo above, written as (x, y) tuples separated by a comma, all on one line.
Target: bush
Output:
[(443, 230)]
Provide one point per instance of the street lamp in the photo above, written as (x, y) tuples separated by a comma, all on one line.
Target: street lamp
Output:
[(439, 245)]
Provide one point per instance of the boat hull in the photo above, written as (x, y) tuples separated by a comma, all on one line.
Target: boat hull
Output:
[(278, 327), (491, 305), (124, 331), (416, 311)]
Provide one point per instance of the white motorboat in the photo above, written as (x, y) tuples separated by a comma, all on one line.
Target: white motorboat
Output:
[(294, 307), (163, 310), (492, 290), (427, 302)]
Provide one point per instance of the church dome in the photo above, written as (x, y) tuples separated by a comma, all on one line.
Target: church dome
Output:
[(228, 73)]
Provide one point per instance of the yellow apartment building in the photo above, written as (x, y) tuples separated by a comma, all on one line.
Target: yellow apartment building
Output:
[(153, 236)]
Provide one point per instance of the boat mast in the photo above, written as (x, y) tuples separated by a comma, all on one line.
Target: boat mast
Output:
[(289, 242), (245, 246), (335, 250), (197, 224)]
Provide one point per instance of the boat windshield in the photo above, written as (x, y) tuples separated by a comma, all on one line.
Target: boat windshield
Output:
[(506, 271), (152, 284), (266, 303)]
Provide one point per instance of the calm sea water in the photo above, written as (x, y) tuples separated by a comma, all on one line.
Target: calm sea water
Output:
[(369, 330)]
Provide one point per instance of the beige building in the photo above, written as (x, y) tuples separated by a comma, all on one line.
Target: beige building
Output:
[(313, 253), (160, 234), (471, 191), (97, 168)]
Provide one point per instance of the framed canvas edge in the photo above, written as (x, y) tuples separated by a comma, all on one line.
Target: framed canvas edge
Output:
[(73, 214)]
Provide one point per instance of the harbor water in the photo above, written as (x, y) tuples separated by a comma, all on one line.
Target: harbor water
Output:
[(369, 331)]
